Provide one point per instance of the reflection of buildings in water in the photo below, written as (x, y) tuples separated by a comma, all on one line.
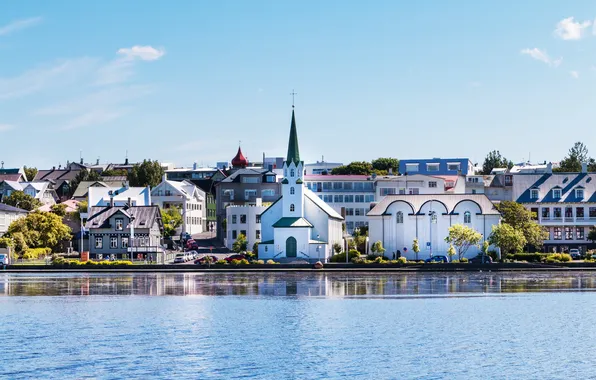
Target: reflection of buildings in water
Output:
[(4, 285)]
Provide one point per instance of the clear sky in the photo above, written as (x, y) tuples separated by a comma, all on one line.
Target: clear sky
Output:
[(184, 81)]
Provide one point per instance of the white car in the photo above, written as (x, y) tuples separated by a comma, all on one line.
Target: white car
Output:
[(3, 259), (180, 258)]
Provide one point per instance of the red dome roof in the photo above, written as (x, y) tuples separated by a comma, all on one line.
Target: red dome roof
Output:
[(239, 161)]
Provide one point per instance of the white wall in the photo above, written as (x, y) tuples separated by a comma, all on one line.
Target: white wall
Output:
[(251, 226), (6, 218)]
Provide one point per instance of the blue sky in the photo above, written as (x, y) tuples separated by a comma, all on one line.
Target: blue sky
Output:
[(183, 82)]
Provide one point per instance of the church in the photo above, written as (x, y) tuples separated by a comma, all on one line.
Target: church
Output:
[(299, 224)]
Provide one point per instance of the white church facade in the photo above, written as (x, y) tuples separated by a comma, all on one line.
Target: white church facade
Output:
[(299, 224), (399, 219)]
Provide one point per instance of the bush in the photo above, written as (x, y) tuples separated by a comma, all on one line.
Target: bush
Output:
[(6, 242), (36, 253), (59, 261), (402, 260), (463, 260), (558, 258), (271, 262), (374, 257), (341, 257), (221, 262), (381, 260), (259, 262), (529, 257)]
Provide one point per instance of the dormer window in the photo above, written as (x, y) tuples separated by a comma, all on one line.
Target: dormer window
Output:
[(534, 193), (579, 193), (292, 173), (557, 193)]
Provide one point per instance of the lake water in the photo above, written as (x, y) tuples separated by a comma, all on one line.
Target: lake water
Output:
[(298, 326)]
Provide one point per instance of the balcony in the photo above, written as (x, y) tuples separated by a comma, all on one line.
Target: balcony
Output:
[(569, 219)]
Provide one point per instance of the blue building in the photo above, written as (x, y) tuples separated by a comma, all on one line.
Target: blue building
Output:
[(437, 166)]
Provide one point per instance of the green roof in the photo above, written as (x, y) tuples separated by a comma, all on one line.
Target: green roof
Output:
[(299, 181), (293, 151), (285, 181), (292, 222)]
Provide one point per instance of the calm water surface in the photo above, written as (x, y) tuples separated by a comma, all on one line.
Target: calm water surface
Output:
[(298, 326)]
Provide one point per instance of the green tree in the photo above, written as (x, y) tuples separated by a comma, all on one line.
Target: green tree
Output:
[(416, 247), (522, 219), (21, 200), (171, 219), (592, 235), (463, 237), (383, 164), (255, 249), (495, 160), (83, 175), (117, 172), (451, 251), (240, 244), (354, 168), (30, 173), (40, 230), (148, 173), (507, 238), (59, 209), (377, 248), (577, 155)]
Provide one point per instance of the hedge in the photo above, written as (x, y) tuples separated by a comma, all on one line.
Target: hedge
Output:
[(341, 257), (529, 257), (36, 253)]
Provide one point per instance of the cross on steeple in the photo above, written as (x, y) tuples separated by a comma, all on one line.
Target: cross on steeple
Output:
[(293, 93)]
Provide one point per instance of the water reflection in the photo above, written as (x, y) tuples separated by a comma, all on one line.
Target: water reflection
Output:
[(291, 284)]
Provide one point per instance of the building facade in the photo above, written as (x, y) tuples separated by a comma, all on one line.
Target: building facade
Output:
[(42, 191), (186, 197), (9, 214), (437, 166), (244, 220)]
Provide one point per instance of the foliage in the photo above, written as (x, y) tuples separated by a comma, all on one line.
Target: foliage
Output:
[(592, 235), (529, 257), (377, 248), (355, 168), (221, 262), (485, 246), (341, 257), (251, 255), (495, 160), (6, 242), (257, 262), (384, 164), (30, 173), (35, 253), (336, 248), (83, 175), (240, 244), (507, 238), (21, 200), (116, 172), (39, 229), (240, 262), (416, 247), (521, 219), (148, 173), (255, 249), (463, 237), (171, 219), (270, 262), (558, 258), (20, 244), (402, 260), (574, 159), (224, 225), (59, 209), (374, 257), (59, 261), (451, 251)]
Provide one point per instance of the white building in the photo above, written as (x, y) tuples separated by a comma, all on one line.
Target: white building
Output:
[(299, 224), (101, 196), (188, 198), (244, 220), (399, 219), (9, 214), (321, 167), (39, 190)]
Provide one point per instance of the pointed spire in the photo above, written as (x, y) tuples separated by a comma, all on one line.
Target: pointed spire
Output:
[(293, 151), (239, 161)]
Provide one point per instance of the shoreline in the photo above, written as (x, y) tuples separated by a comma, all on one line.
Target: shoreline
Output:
[(335, 267)]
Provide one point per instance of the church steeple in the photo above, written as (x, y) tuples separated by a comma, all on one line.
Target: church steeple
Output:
[(293, 151)]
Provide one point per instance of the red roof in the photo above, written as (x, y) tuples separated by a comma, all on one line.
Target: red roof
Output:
[(239, 161)]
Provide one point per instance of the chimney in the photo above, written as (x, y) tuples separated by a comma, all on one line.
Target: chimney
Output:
[(129, 202), (584, 167), (126, 161), (194, 166), (97, 162), (81, 160), (549, 168)]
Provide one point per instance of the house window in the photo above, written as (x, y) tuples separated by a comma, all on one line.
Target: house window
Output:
[(292, 191), (432, 184), (411, 168), (234, 219), (243, 232), (534, 193), (326, 186), (534, 211), (579, 212), (328, 198), (557, 193), (292, 172), (568, 212), (579, 193), (258, 219), (359, 198), (453, 166), (266, 248), (369, 198), (229, 193), (349, 211), (348, 198), (258, 234), (168, 193), (568, 233), (113, 242), (292, 208), (432, 167), (268, 193), (243, 219), (249, 193), (399, 217), (579, 233), (350, 226), (413, 191), (338, 198), (124, 240), (467, 217), (388, 191), (270, 179), (99, 242), (557, 212), (592, 212), (234, 234), (119, 224), (557, 233), (545, 213), (250, 180), (508, 180), (348, 186)]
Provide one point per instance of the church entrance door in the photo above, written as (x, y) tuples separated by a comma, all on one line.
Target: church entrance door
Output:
[(291, 247)]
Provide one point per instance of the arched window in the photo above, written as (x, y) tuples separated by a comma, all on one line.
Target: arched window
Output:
[(292, 191), (292, 173), (467, 217), (400, 217), (292, 208)]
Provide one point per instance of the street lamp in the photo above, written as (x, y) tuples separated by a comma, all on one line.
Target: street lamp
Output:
[(432, 214)]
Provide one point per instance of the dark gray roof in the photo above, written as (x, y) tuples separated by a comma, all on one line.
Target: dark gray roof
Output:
[(144, 216), (235, 177), (8, 208)]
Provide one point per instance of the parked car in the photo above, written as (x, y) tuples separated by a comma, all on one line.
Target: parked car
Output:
[(437, 259), (3, 259), (574, 253), (480, 259), (192, 245), (191, 255), (203, 260), (234, 257), (180, 258)]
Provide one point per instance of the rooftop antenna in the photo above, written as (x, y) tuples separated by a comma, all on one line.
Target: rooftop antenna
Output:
[(293, 93), (2, 165), (81, 156)]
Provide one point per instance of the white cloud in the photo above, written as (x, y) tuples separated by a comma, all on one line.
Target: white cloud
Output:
[(542, 56), (574, 74), (144, 53), (567, 29), (19, 25), (6, 127)]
